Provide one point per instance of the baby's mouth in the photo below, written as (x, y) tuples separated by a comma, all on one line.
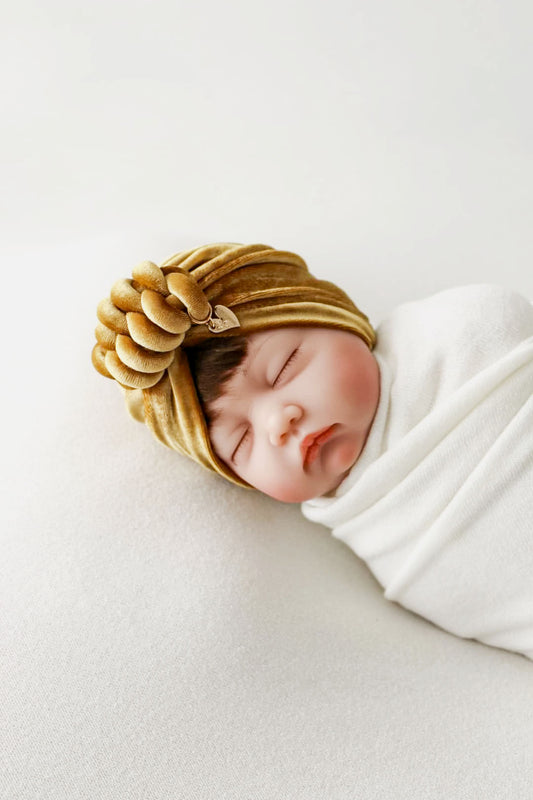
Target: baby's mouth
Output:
[(311, 444)]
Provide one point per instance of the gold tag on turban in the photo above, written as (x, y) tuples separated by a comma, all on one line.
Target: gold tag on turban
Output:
[(223, 321)]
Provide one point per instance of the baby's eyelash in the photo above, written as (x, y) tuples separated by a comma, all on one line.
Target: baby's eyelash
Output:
[(243, 438), (284, 367)]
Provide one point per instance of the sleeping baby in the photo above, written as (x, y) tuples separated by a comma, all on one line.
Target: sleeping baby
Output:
[(412, 443)]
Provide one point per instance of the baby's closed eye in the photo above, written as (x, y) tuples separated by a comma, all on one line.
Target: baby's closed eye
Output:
[(288, 362), (242, 440)]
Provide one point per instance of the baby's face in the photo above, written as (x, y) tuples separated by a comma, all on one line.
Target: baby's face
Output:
[(295, 416)]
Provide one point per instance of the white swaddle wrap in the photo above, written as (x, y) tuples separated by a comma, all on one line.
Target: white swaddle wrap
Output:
[(440, 503)]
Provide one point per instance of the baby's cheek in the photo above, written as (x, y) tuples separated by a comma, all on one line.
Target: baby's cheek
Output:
[(349, 386), (264, 475), (364, 381), (340, 455), (345, 369)]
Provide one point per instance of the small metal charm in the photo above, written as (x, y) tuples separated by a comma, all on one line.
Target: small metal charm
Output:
[(223, 321)]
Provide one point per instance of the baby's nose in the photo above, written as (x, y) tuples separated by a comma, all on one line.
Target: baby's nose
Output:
[(281, 422)]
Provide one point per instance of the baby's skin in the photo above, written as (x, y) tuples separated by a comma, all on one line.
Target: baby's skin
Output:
[(295, 416)]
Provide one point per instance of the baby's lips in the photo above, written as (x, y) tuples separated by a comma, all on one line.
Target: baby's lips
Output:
[(310, 445)]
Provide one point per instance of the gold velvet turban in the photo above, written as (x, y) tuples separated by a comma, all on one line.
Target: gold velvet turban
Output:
[(216, 290)]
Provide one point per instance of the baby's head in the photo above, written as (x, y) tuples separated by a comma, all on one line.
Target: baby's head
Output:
[(276, 388), (288, 410)]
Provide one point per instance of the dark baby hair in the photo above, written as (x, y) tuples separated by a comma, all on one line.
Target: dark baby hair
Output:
[(212, 364)]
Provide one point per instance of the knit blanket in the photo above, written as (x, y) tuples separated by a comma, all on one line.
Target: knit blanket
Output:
[(440, 503)]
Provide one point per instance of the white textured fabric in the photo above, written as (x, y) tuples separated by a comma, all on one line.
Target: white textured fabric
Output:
[(440, 503)]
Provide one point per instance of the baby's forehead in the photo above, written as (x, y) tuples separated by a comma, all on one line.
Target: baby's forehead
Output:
[(317, 333), (277, 333), (282, 334), (262, 346), (271, 341)]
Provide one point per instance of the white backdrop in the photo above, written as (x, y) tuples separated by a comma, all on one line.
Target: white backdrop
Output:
[(388, 140), (391, 145)]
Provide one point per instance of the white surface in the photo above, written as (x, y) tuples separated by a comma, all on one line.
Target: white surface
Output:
[(164, 635)]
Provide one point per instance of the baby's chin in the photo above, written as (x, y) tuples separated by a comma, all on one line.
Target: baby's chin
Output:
[(335, 465), (300, 494)]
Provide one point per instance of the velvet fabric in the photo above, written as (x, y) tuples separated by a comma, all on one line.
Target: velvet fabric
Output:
[(149, 321)]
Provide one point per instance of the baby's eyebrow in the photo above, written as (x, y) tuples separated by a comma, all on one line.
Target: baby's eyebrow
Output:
[(243, 367), (216, 414), (252, 354)]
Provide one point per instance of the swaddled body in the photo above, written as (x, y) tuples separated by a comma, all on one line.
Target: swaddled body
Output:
[(440, 503)]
